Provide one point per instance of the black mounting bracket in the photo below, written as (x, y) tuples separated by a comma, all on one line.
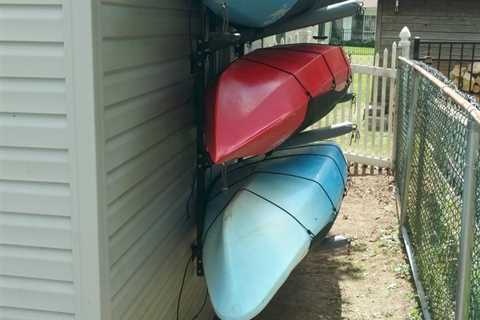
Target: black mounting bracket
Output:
[(203, 164), (202, 50), (198, 63), (197, 254), (217, 41)]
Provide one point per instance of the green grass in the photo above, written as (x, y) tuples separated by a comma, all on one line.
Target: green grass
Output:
[(360, 51), (361, 55)]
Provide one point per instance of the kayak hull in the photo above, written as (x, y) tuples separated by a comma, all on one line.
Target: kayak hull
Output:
[(263, 98), (262, 227), (261, 14), (258, 14)]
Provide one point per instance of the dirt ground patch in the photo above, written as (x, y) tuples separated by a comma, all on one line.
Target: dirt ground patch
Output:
[(368, 280)]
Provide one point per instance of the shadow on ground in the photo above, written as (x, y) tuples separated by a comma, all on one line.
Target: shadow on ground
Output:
[(369, 281), (312, 290)]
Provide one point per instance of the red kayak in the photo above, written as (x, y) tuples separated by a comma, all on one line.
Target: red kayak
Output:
[(264, 97)]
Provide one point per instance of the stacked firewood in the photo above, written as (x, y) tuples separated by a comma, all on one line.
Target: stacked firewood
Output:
[(467, 77)]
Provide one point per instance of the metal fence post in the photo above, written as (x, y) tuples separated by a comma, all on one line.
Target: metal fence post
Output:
[(395, 118), (409, 147), (462, 307), (393, 105), (416, 48)]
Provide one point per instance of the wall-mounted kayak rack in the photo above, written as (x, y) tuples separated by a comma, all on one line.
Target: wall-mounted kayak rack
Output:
[(320, 12), (237, 36)]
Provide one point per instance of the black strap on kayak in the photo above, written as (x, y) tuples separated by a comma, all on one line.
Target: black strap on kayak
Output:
[(207, 230), (204, 235), (334, 84), (232, 185), (281, 70), (281, 157), (335, 210), (309, 232), (292, 155), (334, 145), (310, 155), (334, 81)]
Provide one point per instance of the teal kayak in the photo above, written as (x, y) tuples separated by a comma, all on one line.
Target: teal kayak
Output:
[(260, 14), (258, 230)]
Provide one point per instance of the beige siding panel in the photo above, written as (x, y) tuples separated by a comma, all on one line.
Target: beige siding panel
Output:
[(157, 300), (121, 86), (35, 198), (36, 240), (35, 230), (32, 60), (157, 4), (31, 2), (147, 303), (27, 293), (137, 52), (149, 155), (126, 289), (31, 23), (39, 165), (40, 263), (192, 300), (131, 22), (146, 192), (24, 130), (133, 172), (33, 96), (24, 314), (136, 230), (136, 141), (134, 112), (164, 263)]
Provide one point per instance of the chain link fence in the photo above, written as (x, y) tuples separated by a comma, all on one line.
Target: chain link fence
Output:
[(433, 137)]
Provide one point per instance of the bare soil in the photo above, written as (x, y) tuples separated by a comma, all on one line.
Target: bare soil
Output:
[(370, 279)]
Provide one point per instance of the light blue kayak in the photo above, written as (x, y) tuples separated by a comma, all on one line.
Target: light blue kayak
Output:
[(262, 227), (261, 13), (252, 13)]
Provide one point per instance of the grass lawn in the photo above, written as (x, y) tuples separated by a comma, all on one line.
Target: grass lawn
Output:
[(360, 51), (361, 55)]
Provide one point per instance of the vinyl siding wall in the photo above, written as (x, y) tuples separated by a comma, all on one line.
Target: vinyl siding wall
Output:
[(148, 137), (36, 213), (97, 150), (437, 20)]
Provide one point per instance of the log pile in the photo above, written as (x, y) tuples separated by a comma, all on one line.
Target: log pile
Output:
[(467, 77)]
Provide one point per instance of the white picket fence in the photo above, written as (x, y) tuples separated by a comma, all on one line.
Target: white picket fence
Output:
[(372, 110), (304, 35)]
